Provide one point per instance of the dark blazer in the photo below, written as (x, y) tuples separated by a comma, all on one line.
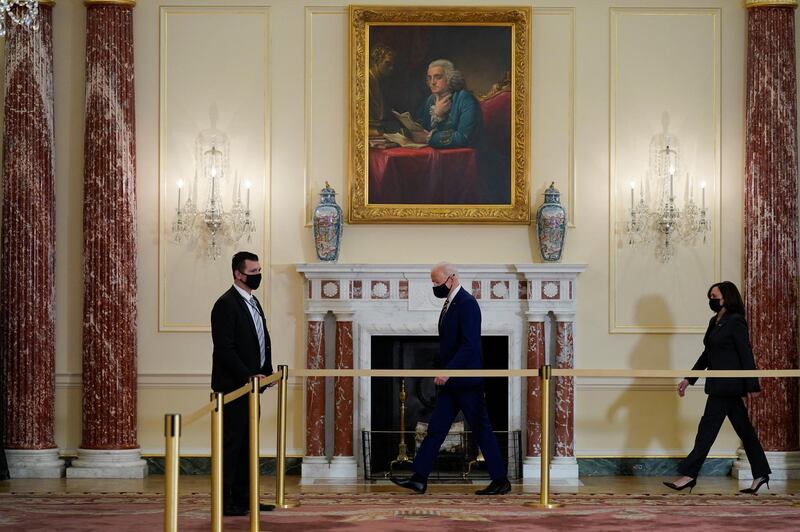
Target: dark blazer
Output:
[(727, 346), (236, 351), (460, 339)]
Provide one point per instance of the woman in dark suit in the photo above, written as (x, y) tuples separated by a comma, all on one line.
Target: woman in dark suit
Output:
[(727, 346)]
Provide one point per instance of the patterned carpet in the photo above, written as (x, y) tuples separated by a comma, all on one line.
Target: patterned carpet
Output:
[(399, 512)]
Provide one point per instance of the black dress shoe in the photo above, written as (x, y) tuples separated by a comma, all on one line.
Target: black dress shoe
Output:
[(691, 484), (763, 480), (261, 506), (496, 487), (415, 483), (233, 509)]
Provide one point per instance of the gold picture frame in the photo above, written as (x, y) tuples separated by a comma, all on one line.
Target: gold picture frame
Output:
[(466, 162)]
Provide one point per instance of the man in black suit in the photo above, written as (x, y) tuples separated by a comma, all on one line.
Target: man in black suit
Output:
[(459, 348), (241, 351)]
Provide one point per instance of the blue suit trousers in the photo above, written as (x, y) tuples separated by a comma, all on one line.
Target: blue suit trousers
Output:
[(450, 401)]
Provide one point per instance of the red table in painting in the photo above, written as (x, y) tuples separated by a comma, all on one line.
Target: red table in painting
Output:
[(423, 176)]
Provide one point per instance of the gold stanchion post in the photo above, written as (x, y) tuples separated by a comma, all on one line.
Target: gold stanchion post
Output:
[(280, 466), (172, 437), (216, 462), (254, 469), (545, 374)]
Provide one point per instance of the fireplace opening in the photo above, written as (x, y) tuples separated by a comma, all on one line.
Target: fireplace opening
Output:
[(420, 352)]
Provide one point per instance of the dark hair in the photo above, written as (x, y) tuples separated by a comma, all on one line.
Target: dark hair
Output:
[(378, 53), (731, 295), (237, 263)]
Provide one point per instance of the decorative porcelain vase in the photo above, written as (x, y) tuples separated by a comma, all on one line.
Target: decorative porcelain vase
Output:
[(551, 223), (328, 225)]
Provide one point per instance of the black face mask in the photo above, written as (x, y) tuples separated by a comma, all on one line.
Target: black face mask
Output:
[(253, 281), (714, 305), (441, 290)]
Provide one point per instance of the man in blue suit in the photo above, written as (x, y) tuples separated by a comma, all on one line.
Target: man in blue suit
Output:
[(451, 116), (459, 348)]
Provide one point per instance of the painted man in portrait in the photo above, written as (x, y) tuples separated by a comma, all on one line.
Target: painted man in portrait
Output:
[(381, 66), (451, 115)]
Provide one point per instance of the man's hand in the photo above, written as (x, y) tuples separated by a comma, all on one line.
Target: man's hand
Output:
[(682, 387), (421, 137), (442, 106), (440, 381), (270, 385)]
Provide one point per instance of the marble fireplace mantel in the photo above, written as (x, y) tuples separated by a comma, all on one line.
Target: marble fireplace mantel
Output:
[(517, 300)]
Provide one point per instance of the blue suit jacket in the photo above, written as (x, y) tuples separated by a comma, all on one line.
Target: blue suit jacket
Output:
[(460, 339), (463, 125)]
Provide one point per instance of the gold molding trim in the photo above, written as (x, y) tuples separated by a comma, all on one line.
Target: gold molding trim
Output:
[(308, 85), (750, 4), (614, 15), (571, 175), (359, 210), (121, 3), (47, 3), (164, 11)]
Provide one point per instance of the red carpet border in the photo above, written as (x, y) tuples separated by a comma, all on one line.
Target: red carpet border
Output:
[(381, 512)]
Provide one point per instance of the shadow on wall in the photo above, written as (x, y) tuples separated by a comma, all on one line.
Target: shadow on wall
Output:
[(654, 422)]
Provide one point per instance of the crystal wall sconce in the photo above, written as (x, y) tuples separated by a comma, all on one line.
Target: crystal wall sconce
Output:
[(660, 219), (211, 222)]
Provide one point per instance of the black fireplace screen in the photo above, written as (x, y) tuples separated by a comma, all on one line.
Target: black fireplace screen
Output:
[(458, 459)]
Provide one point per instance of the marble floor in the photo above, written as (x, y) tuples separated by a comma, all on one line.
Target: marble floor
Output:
[(153, 484)]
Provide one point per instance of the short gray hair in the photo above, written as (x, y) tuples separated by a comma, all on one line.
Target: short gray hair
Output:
[(447, 268), (455, 80)]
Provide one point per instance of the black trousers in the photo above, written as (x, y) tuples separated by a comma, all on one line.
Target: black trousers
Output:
[(235, 455), (717, 408)]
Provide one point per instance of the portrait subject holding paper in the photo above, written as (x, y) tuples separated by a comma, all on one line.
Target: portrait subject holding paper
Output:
[(443, 139)]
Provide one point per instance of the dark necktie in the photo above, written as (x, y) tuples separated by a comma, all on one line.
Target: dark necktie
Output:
[(259, 330), (444, 311)]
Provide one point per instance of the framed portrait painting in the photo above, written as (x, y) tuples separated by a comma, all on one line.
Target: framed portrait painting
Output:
[(439, 106)]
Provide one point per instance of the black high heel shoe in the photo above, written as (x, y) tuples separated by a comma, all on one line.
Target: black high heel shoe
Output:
[(691, 484), (764, 480)]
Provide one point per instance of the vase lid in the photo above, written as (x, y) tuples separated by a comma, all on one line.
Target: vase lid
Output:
[(327, 195), (328, 190), (552, 195)]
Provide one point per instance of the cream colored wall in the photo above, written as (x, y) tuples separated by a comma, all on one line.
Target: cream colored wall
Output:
[(302, 142)]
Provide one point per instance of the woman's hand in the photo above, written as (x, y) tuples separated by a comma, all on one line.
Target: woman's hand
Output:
[(682, 387)]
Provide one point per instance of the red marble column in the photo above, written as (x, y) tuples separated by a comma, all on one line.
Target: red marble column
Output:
[(315, 388), (27, 273), (536, 359), (770, 218), (565, 393), (343, 388), (109, 236)]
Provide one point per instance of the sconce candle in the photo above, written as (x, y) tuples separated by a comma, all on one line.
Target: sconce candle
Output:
[(671, 197), (703, 192), (247, 185), (633, 186), (180, 186)]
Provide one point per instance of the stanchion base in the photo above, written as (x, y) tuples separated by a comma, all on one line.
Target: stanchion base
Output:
[(288, 504), (540, 506)]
